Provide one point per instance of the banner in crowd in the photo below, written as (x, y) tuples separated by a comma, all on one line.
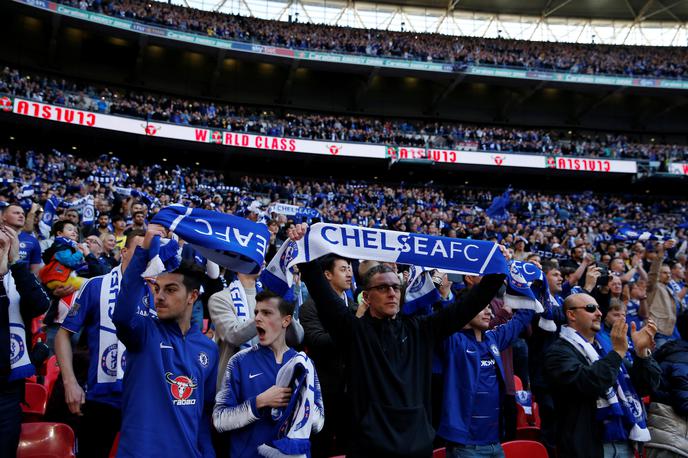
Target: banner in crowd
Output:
[(294, 210), (84, 118), (678, 168), (371, 61)]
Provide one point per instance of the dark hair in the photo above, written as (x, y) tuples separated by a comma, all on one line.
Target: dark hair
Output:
[(138, 213), (193, 274), (117, 217), (132, 235), (327, 262), (378, 269), (59, 227), (285, 308), (547, 266)]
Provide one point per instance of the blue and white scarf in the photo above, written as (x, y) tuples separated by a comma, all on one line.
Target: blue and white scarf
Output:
[(527, 285), (232, 242), (20, 363), (302, 416), (294, 210), (84, 206), (620, 402), (241, 306), (470, 257), (421, 293)]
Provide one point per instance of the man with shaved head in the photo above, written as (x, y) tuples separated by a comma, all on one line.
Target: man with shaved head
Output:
[(596, 390)]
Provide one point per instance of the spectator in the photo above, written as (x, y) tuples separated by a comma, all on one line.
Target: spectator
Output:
[(101, 404), (669, 409), (183, 380), (596, 391), (29, 251), (474, 375), (21, 299), (329, 363), (390, 357), (249, 389), (662, 302)]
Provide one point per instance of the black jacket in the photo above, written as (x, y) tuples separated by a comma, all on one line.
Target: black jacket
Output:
[(328, 360), (576, 385), (390, 365)]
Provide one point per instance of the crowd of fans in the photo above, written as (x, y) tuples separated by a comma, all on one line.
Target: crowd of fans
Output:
[(580, 240), (332, 127), (659, 62)]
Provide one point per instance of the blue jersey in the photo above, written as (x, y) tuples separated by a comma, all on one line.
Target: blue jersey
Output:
[(249, 373), (29, 249), (466, 362), (85, 312), (169, 381)]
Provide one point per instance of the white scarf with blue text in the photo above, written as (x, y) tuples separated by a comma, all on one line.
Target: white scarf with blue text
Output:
[(20, 363)]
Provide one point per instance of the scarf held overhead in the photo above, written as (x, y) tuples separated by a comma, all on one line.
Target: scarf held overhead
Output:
[(463, 256), (230, 241)]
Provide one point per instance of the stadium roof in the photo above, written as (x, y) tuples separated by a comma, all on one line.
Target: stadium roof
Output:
[(628, 10)]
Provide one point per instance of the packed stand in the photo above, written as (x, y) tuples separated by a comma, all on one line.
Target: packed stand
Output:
[(659, 62), (216, 354), (333, 128)]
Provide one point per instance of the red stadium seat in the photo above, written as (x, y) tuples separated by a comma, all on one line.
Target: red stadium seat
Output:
[(439, 453), (51, 374), (524, 449), (518, 384), (46, 440), (528, 433), (36, 401), (115, 444)]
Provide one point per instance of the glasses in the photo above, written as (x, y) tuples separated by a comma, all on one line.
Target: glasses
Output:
[(384, 288), (590, 308)]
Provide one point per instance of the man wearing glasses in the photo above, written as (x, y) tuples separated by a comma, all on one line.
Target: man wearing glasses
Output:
[(389, 357), (596, 389)]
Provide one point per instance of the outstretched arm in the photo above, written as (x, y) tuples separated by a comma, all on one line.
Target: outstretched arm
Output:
[(454, 317)]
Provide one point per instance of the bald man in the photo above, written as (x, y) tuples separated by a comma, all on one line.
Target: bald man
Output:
[(596, 390)]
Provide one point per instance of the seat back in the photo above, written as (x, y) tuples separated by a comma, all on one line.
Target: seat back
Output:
[(51, 374), (439, 453), (36, 400), (46, 440), (524, 449), (518, 384)]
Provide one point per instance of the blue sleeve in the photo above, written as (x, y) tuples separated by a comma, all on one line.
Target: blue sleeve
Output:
[(34, 256), (82, 307), (205, 443), (131, 327), (506, 333), (231, 412), (69, 259)]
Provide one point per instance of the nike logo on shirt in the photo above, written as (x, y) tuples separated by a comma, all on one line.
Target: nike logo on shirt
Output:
[(162, 345), (254, 375)]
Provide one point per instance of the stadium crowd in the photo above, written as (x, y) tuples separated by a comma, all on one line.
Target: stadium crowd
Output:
[(613, 329), (447, 135), (659, 62)]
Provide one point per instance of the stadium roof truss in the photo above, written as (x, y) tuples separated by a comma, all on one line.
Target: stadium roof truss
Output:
[(620, 22)]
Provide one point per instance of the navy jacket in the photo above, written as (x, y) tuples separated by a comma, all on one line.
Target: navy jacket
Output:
[(673, 390), (461, 368)]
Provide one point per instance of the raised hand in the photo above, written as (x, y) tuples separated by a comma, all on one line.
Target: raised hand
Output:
[(644, 339), (619, 337)]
